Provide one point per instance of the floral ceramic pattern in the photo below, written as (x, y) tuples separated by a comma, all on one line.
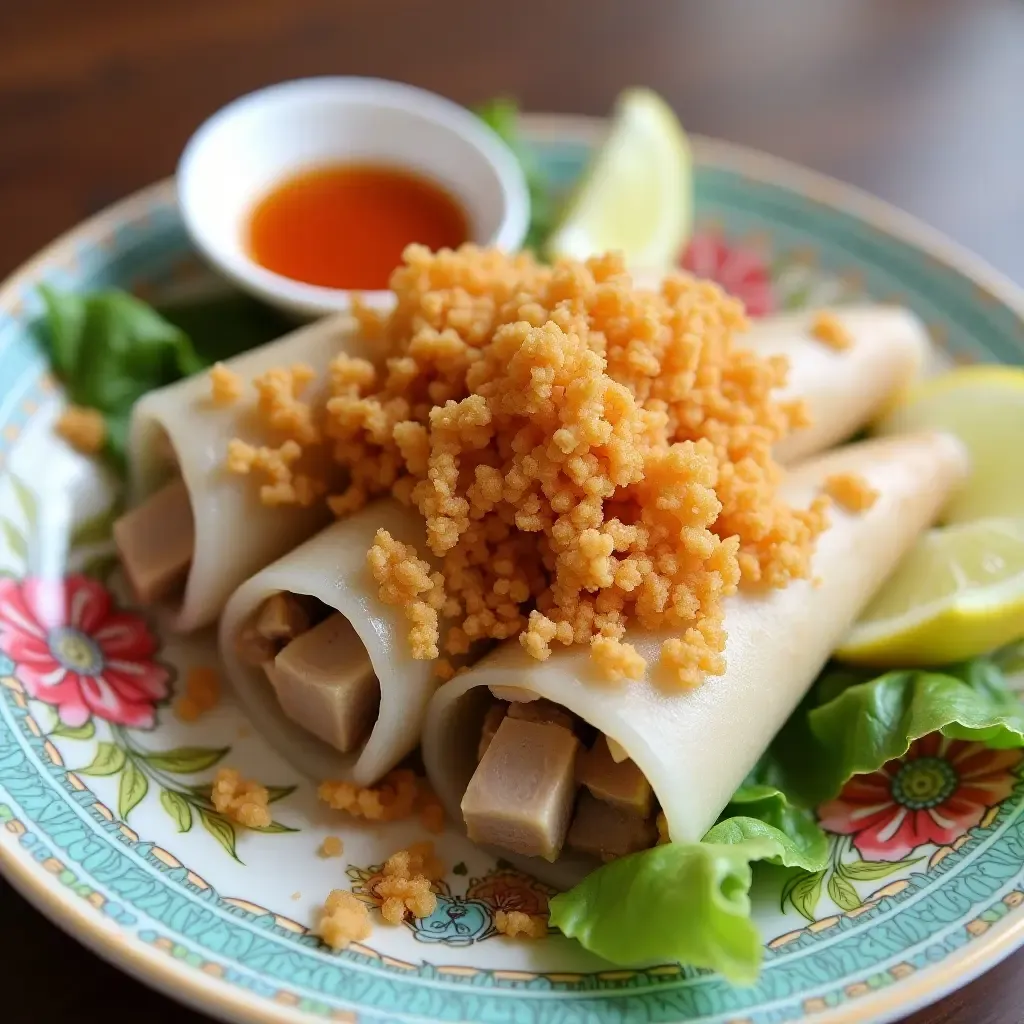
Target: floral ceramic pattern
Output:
[(737, 265), (73, 649), (185, 911), (462, 919), (932, 795), (897, 817)]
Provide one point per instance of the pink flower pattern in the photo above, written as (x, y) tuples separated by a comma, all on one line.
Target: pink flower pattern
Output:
[(73, 649), (933, 794), (739, 269)]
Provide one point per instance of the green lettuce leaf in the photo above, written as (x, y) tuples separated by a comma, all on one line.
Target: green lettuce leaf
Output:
[(109, 348), (758, 810), (501, 115), (690, 902), (223, 325), (858, 725), (687, 902)]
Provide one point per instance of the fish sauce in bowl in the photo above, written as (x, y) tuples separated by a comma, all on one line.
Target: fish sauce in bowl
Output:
[(345, 225)]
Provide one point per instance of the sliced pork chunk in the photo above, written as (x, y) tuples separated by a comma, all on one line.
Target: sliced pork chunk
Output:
[(156, 541), (324, 682), (521, 796), (601, 830)]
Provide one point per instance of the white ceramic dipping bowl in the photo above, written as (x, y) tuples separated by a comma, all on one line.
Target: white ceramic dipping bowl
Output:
[(257, 141)]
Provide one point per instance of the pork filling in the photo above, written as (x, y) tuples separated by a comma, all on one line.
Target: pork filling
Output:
[(317, 666)]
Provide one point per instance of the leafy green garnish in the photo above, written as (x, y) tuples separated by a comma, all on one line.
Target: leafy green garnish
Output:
[(689, 902), (763, 810), (860, 725), (501, 115), (109, 348), (222, 326)]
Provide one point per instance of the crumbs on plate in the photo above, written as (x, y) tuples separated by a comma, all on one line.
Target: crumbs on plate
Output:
[(241, 800), (344, 919), (400, 795), (515, 924), (332, 846)]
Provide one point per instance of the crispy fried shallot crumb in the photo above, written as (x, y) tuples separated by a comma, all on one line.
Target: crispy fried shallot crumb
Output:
[(586, 456), (399, 795), (202, 693), (616, 660), (851, 491), (405, 580), (226, 386), (345, 919), (83, 428), (829, 330), (242, 800), (405, 885), (516, 924), (332, 846)]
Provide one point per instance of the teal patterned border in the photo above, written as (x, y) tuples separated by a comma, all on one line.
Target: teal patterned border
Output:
[(60, 828), (142, 893)]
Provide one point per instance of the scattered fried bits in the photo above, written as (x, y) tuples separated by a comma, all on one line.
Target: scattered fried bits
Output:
[(829, 330), (292, 467), (851, 491), (393, 799), (241, 800), (516, 924), (286, 487), (615, 660), (226, 386), (202, 693), (586, 456), (400, 795), (407, 582), (344, 920), (406, 881), (332, 846), (83, 428)]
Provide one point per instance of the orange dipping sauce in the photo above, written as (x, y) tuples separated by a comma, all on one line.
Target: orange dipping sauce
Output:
[(345, 226)]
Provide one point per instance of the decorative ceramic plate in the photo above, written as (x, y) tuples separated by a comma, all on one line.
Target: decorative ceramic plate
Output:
[(106, 826)]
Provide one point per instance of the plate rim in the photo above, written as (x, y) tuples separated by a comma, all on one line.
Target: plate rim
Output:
[(206, 994)]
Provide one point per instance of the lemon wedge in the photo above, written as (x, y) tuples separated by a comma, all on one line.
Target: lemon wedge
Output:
[(637, 195), (984, 407), (957, 594)]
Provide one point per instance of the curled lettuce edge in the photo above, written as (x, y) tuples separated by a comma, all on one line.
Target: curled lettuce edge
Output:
[(690, 902)]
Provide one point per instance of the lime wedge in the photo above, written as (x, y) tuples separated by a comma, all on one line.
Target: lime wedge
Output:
[(957, 594), (984, 407), (637, 196)]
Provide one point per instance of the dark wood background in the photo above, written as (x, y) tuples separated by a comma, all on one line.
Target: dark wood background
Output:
[(919, 101)]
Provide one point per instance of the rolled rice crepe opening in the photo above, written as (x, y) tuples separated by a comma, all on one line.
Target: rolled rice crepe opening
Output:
[(332, 568), (695, 747), (180, 430)]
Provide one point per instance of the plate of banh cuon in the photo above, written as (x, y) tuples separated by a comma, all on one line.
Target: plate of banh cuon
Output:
[(577, 575)]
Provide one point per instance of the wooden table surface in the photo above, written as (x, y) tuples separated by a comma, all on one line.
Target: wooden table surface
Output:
[(918, 101)]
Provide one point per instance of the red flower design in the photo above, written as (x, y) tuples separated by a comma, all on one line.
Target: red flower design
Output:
[(937, 791), (739, 269), (73, 649)]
